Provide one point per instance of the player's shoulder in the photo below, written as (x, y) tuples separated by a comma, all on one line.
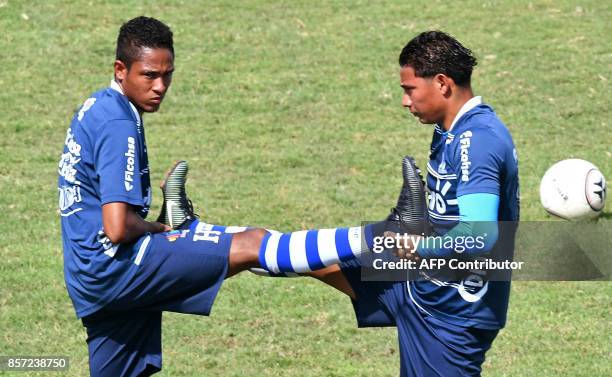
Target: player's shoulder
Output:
[(102, 107), (108, 104), (484, 122)]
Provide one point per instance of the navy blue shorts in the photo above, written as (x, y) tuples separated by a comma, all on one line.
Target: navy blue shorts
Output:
[(182, 271), (428, 346)]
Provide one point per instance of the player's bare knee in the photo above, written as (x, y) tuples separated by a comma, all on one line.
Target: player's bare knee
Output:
[(245, 245), (251, 239)]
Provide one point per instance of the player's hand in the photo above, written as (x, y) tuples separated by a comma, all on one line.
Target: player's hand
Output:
[(405, 247), (160, 227)]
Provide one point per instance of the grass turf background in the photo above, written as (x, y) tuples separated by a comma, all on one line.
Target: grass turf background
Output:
[(289, 114)]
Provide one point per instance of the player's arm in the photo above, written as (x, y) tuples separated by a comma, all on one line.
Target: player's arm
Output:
[(117, 163), (122, 224), (478, 221)]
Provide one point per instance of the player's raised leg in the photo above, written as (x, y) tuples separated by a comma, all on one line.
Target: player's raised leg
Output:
[(410, 210), (311, 250), (308, 250)]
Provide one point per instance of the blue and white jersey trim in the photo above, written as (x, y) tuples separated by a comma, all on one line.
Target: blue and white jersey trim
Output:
[(433, 172), (442, 217)]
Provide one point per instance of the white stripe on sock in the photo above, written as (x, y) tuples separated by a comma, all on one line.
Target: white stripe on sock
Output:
[(297, 251), (272, 252), (355, 237), (326, 241)]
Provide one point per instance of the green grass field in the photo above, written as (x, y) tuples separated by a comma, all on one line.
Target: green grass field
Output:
[(290, 117)]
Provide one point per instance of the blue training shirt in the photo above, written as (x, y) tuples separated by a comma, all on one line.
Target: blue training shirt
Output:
[(476, 156), (104, 160)]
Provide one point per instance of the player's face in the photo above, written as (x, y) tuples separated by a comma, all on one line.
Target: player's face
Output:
[(421, 96), (148, 79)]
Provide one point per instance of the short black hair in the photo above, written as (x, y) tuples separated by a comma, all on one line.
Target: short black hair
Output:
[(433, 52), (142, 32)]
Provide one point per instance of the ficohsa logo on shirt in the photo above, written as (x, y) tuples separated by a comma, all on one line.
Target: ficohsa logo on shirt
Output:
[(129, 167), (464, 141)]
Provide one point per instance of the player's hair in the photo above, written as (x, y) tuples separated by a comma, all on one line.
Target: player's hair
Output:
[(142, 32), (433, 52)]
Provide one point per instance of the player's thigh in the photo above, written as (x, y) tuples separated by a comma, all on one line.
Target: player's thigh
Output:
[(124, 343), (181, 271)]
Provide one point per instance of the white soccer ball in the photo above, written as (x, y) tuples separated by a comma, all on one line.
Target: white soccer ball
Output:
[(573, 189)]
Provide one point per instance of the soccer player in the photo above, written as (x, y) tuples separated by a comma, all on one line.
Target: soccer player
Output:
[(121, 271), (445, 327)]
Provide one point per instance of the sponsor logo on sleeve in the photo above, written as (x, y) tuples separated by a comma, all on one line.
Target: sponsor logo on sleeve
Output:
[(129, 167), (464, 146)]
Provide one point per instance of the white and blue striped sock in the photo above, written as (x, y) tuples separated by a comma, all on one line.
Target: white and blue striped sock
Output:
[(310, 250)]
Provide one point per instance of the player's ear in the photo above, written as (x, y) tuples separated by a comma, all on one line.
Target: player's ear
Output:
[(443, 84), (121, 70)]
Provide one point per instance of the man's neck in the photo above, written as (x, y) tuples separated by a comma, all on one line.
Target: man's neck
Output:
[(116, 85), (454, 106)]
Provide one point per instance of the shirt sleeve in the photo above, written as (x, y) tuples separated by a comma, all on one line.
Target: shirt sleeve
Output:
[(476, 233), (117, 163), (478, 160)]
